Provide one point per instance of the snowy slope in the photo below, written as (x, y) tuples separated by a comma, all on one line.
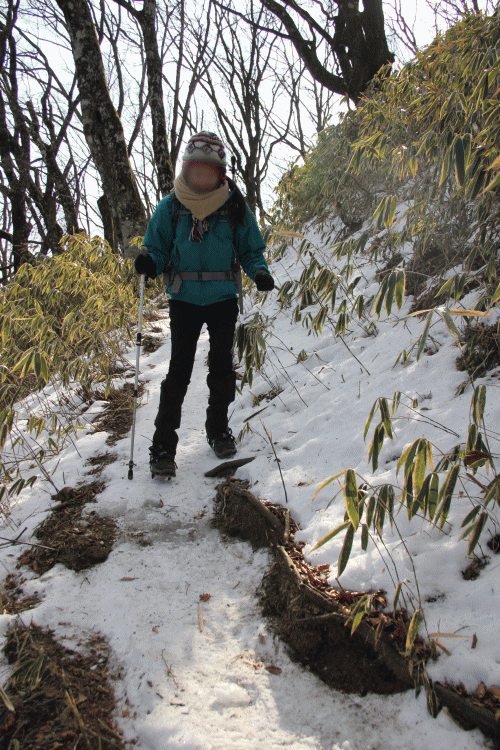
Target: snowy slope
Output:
[(192, 687)]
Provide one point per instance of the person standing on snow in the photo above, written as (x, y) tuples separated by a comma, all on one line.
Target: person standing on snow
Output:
[(191, 237)]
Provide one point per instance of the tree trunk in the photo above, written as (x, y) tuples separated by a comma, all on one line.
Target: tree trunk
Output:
[(146, 19), (107, 222), (102, 127)]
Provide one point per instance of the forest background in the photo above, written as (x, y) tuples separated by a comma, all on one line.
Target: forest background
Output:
[(97, 98)]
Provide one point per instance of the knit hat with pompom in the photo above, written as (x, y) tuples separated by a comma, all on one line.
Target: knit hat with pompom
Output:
[(205, 148)]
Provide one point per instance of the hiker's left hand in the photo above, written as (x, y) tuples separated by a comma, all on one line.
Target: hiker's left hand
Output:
[(264, 281)]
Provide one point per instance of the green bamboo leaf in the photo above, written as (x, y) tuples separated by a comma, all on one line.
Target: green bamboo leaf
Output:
[(422, 498), (419, 467), (446, 494), (351, 497), (476, 534), (408, 457), (376, 445), (478, 404), (459, 161), (445, 168), (327, 482), (370, 417), (370, 508), (346, 549), (492, 185), (330, 535), (450, 324), (364, 537), (470, 516), (423, 337), (494, 299), (493, 491), (471, 439), (377, 308), (386, 419), (476, 185), (391, 287), (400, 288), (413, 629), (357, 619), (390, 211)]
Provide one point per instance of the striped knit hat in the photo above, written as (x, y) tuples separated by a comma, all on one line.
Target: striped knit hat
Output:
[(205, 148)]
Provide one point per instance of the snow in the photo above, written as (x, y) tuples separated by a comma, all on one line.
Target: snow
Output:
[(194, 672)]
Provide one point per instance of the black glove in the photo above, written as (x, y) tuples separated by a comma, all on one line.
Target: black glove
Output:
[(264, 281), (144, 264)]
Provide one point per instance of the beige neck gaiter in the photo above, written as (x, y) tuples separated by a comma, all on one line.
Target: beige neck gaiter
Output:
[(201, 205)]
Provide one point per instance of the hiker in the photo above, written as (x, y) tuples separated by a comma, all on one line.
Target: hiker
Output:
[(197, 236)]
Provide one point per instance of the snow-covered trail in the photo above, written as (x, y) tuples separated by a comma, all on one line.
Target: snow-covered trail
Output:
[(185, 686)]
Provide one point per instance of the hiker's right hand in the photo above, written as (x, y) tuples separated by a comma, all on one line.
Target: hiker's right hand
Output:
[(144, 264)]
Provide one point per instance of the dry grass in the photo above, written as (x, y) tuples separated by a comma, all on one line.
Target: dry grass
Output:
[(59, 699), (68, 537)]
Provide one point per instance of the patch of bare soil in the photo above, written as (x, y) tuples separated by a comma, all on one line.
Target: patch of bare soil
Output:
[(56, 699), (118, 415), (68, 537), (474, 568), (100, 461), (494, 544), (311, 618), (316, 620), (481, 350), (150, 344), (260, 523), (12, 601)]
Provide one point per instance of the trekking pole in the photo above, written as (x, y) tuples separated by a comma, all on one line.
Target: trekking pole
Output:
[(136, 387)]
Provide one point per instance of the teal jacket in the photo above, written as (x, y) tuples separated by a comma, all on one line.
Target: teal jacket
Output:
[(215, 252)]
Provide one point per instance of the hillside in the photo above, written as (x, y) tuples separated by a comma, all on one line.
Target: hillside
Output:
[(370, 397)]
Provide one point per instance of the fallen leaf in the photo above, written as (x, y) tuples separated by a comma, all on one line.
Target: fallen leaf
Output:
[(155, 629), (127, 578), (481, 690), (495, 691), (274, 670), (205, 597), (474, 641), (126, 712), (448, 653)]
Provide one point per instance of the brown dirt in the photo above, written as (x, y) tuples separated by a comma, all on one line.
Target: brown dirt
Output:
[(151, 344), (296, 594), (100, 461), (67, 537), (117, 417), (315, 620), (474, 568), (62, 699), (238, 516), (494, 544), (319, 638), (481, 350), (12, 601)]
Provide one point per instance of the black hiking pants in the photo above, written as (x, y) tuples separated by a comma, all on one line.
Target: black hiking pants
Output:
[(186, 322)]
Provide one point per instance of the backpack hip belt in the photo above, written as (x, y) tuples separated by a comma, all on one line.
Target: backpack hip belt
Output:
[(175, 278)]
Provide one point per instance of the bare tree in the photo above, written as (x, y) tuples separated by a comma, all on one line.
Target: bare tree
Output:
[(102, 126), (246, 94), (356, 39)]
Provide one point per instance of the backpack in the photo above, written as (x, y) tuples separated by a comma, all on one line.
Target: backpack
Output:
[(176, 278)]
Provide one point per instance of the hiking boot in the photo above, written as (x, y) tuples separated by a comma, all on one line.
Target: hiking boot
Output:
[(161, 462), (223, 445)]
